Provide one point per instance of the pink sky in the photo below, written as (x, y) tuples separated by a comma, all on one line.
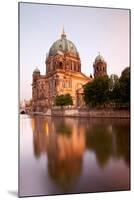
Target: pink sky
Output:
[(92, 30)]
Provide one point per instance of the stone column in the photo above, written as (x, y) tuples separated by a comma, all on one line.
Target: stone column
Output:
[(72, 66)]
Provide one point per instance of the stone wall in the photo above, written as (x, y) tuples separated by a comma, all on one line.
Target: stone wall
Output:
[(100, 113)]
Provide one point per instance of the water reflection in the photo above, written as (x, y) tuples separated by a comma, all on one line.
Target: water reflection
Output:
[(64, 145), (108, 139), (65, 140), (99, 140), (122, 141)]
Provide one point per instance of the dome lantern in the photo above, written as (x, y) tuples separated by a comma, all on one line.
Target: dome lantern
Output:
[(63, 35)]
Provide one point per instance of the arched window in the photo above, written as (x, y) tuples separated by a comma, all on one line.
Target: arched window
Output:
[(60, 65), (79, 68), (74, 66), (70, 65), (60, 46), (67, 83)]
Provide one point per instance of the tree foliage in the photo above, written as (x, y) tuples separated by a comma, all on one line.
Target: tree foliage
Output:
[(109, 90), (125, 86), (114, 88), (113, 80), (97, 92), (63, 100), (121, 91)]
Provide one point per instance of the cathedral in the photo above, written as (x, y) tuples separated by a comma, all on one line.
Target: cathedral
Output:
[(63, 75)]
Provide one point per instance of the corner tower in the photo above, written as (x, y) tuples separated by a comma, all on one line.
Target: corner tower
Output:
[(100, 67)]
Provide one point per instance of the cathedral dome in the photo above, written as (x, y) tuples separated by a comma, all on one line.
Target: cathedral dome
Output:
[(62, 46)]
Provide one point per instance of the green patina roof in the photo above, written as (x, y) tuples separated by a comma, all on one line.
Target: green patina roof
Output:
[(63, 46)]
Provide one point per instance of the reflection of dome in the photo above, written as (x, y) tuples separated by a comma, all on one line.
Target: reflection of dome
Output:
[(99, 58), (63, 46)]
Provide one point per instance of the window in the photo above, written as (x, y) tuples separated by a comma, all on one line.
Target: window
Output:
[(60, 46), (67, 84), (74, 67), (60, 64)]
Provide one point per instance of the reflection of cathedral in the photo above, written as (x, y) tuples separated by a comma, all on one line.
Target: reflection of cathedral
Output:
[(66, 140), (63, 75), (64, 146)]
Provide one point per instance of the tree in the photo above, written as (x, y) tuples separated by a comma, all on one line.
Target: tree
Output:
[(125, 86), (30, 104), (114, 88), (115, 94), (97, 92), (120, 90), (63, 100)]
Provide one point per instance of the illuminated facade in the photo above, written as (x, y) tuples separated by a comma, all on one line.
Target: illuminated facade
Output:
[(63, 75)]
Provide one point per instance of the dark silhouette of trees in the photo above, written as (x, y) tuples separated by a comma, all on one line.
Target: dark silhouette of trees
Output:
[(125, 86), (112, 91), (120, 94), (97, 92)]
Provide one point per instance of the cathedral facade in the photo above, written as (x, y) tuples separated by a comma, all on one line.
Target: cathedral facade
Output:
[(63, 75)]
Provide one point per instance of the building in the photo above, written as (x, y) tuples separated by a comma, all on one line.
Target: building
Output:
[(25, 106), (100, 66), (63, 75)]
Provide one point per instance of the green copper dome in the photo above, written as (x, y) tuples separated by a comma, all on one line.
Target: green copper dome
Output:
[(62, 46)]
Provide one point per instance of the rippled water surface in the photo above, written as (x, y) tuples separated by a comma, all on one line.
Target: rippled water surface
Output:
[(73, 155)]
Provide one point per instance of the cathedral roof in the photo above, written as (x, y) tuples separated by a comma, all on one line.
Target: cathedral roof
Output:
[(63, 45)]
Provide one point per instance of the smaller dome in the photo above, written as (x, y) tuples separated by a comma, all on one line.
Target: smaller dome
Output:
[(36, 70), (99, 58)]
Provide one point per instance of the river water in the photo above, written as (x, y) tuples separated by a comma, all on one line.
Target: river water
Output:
[(73, 155)]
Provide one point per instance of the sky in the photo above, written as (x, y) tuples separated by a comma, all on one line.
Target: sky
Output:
[(92, 30)]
